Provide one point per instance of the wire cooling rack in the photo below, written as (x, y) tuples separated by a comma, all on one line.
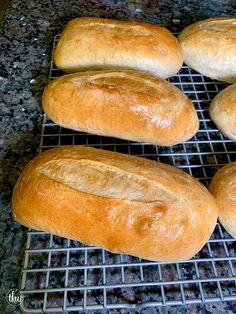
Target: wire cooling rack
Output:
[(64, 275)]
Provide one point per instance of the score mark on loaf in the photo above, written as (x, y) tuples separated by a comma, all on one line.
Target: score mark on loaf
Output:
[(131, 105), (122, 203)]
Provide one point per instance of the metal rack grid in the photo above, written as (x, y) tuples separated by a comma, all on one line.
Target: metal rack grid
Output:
[(65, 275)]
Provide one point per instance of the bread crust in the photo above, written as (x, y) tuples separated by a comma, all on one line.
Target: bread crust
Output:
[(95, 43), (223, 111), (209, 47), (126, 104), (122, 203), (223, 188)]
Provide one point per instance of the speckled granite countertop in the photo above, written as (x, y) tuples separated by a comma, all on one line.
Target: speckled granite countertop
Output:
[(26, 39)]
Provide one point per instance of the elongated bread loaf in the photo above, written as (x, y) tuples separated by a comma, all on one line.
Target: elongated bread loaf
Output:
[(223, 188), (95, 43), (209, 47), (223, 111), (125, 104), (122, 203)]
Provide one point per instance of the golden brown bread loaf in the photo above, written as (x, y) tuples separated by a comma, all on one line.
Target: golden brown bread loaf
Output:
[(223, 111), (223, 188), (125, 104), (122, 203), (95, 43), (209, 47)]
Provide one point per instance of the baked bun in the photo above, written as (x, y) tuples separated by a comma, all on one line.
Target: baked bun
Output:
[(122, 203), (209, 47), (130, 105), (95, 43), (223, 111), (223, 188)]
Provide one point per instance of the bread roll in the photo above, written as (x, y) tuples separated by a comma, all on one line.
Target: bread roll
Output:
[(209, 47), (122, 203), (223, 188), (223, 111), (125, 104), (95, 43)]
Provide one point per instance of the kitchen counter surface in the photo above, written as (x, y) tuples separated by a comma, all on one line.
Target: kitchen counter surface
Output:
[(26, 41)]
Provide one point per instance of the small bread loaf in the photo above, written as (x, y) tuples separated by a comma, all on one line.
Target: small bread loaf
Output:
[(95, 43), (223, 111), (122, 203), (125, 104), (209, 47), (223, 188)]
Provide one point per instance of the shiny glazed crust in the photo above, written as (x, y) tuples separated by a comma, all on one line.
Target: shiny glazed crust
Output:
[(122, 203), (209, 47), (125, 104), (223, 111), (95, 43), (223, 188)]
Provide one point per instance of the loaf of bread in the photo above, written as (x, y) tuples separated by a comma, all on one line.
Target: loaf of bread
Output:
[(223, 111), (95, 43), (122, 203), (223, 188), (125, 104), (209, 47)]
